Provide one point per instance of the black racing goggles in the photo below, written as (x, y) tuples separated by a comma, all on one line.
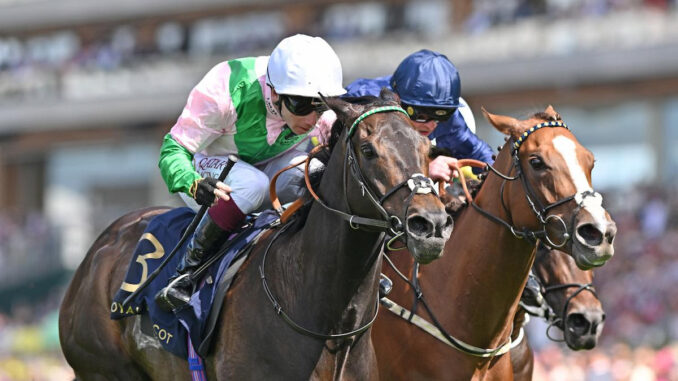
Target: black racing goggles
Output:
[(301, 106), (426, 114)]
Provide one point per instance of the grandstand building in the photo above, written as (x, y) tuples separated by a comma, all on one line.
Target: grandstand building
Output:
[(88, 88)]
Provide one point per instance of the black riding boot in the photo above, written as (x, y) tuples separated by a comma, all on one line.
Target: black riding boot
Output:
[(206, 240)]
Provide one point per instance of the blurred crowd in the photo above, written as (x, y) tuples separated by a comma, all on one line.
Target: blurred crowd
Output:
[(639, 341), (28, 247), (618, 362), (488, 13), (636, 287), (29, 341), (77, 63)]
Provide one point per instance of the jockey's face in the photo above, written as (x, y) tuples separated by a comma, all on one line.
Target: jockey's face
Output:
[(299, 124), (425, 128)]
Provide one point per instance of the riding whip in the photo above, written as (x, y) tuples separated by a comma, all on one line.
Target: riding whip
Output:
[(232, 159)]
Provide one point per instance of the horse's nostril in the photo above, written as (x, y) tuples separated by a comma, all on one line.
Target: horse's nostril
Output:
[(578, 324), (419, 225), (443, 229), (591, 235)]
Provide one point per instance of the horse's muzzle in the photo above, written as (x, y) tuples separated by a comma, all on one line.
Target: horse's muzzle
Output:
[(583, 328), (427, 232), (593, 242)]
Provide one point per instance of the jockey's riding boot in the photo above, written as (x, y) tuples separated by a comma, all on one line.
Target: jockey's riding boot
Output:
[(206, 240)]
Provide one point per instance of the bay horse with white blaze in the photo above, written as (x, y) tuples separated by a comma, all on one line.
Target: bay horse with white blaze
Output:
[(571, 304), (539, 190), (322, 271)]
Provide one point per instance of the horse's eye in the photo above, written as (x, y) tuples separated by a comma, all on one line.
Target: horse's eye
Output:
[(367, 150), (537, 163)]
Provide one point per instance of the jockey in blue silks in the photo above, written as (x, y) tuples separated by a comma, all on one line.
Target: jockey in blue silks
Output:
[(429, 88)]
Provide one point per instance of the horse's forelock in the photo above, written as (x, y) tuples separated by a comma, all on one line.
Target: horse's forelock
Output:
[(555, 117), (368, 101)]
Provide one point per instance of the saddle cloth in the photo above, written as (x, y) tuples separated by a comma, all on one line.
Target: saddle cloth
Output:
[(161, 235)]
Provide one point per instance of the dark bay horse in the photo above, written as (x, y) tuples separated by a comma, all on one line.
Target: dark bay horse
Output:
[(572, 304), (541, 190), (323, 272)]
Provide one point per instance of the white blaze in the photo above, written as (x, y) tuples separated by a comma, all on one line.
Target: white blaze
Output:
[(593, 204)]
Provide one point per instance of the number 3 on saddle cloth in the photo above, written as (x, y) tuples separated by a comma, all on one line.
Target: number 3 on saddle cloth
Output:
[(195, 319)]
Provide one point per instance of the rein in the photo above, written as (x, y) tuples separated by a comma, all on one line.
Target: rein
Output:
[(418, 184)]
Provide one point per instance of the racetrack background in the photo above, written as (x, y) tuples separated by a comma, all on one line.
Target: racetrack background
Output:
[(88, 88)]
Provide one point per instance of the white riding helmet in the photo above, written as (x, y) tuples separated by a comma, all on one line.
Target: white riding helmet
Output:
[(305, 66)]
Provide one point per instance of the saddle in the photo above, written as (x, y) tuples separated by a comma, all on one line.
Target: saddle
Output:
[(196, 320)]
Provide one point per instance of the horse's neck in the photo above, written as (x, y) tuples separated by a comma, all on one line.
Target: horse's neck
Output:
[(485, 271), (347, 249), (335, 264)]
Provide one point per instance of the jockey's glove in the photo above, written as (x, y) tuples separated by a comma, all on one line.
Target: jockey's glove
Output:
[(203, 189)]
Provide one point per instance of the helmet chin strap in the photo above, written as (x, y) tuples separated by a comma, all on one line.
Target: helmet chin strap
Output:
[(278, 103)]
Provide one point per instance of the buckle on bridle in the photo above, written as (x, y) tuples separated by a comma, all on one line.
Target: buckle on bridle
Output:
[(421, 184)]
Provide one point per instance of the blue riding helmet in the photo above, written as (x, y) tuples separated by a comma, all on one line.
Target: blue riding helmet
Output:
[(427, 79)]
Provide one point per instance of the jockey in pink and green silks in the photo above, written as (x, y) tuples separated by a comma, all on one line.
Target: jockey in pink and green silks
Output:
[(265, 110)]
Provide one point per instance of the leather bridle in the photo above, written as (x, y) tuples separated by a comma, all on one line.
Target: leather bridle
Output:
[(418, 184), (537, 207), (553, 319)]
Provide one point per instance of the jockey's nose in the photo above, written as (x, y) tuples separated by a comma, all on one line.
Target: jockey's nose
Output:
[(311, 118)]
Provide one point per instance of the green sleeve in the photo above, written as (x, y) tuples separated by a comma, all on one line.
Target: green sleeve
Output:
[(176, 166)]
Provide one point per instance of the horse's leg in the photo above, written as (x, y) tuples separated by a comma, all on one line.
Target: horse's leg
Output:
[(148, 352), (89, 338), (500, 369), (522, 360), (92, 343)]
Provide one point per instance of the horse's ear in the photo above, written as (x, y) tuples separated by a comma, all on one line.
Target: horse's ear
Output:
[(505, 124), (344, 110), (389, 95), (551, 112)]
